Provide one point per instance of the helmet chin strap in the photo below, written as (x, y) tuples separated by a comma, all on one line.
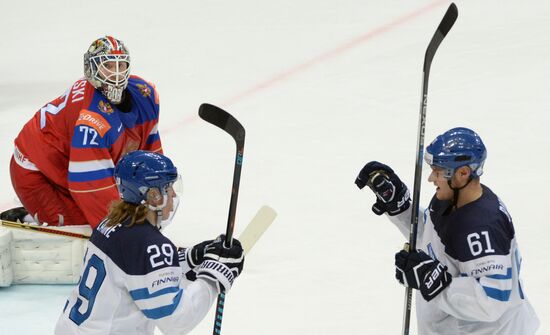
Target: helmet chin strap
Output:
[(160, 223), (157, 209), (456, 190)]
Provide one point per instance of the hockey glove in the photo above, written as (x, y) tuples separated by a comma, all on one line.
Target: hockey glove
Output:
[(191, 258), (16, 214), (418, 270), (222, 265), (194, 255), (392, 196)]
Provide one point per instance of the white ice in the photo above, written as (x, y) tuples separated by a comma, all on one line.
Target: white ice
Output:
[(322, 87)]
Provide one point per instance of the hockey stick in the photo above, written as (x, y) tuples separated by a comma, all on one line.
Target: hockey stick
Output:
[(230, 125), (42, 229), (251, 234), (442, 30), (257, 227)]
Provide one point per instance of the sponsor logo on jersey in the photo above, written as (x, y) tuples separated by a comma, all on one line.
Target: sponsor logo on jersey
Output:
[(158, 282), (94, 120), (481, 271), (144, 90), (105, 107)]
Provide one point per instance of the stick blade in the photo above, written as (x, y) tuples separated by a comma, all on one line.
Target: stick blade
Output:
[(222, 119), (443, 29), (448, 20), (257, 227)]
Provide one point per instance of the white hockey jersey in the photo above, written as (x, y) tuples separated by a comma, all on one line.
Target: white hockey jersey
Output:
[(477, 243), (132, 281)]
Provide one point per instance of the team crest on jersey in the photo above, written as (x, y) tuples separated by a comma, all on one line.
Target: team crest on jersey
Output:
[(144, 90), (105, 107)]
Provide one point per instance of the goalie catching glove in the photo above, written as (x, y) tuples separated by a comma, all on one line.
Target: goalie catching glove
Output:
[(392, 196), (418, 270), (221, 264)]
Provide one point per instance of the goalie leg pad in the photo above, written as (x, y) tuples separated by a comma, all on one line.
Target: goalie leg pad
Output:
[(38, 258), (6, 269)]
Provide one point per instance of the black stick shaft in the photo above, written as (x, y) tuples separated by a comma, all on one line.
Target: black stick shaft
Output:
[(444, 27), (229, 233), (229, 124), (234, 195)]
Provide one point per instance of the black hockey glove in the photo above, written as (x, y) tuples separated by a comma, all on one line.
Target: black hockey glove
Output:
[(192, 257), (195, 255), (418, 270), (392, 196), (16, 214), (222, 265)]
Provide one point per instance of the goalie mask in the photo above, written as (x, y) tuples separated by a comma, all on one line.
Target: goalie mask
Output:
[(107, 67)]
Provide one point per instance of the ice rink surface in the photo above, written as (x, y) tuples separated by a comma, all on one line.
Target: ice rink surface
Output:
[(322, 87)]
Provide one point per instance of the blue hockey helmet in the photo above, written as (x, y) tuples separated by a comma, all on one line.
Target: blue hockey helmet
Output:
[(139, 171), (455, 148)]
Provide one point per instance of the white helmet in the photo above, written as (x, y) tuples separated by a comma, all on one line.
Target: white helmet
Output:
[(107, 67)]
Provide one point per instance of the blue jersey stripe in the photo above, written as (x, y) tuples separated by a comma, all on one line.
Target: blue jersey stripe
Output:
[(518, 265), (501, 295), (153, 138), (426, 215), (143, 293), (508, 275), (160, 312), (91, 175)]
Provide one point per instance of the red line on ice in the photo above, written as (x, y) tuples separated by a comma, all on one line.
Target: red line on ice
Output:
[(287, 74), (323, 57)]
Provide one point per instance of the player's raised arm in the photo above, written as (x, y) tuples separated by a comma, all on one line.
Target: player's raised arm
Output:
[(466, 266), (132, 280), (392, 195)]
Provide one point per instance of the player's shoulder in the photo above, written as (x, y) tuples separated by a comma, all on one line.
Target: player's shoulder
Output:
[(79, 89), (73, 99), (481, 228), (488, 210), (137, 249), (141, 88)]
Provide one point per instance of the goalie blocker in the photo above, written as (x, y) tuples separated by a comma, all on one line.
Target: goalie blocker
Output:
[(28, 257)]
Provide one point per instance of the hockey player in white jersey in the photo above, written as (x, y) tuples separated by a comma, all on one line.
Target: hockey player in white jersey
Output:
[(467, 263), (134, 278)]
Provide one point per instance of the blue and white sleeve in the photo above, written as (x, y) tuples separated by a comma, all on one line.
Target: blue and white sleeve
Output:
[(403, 221), (163, 296)]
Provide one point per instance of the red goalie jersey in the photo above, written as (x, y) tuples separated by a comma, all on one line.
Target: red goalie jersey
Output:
[(62, 168)]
